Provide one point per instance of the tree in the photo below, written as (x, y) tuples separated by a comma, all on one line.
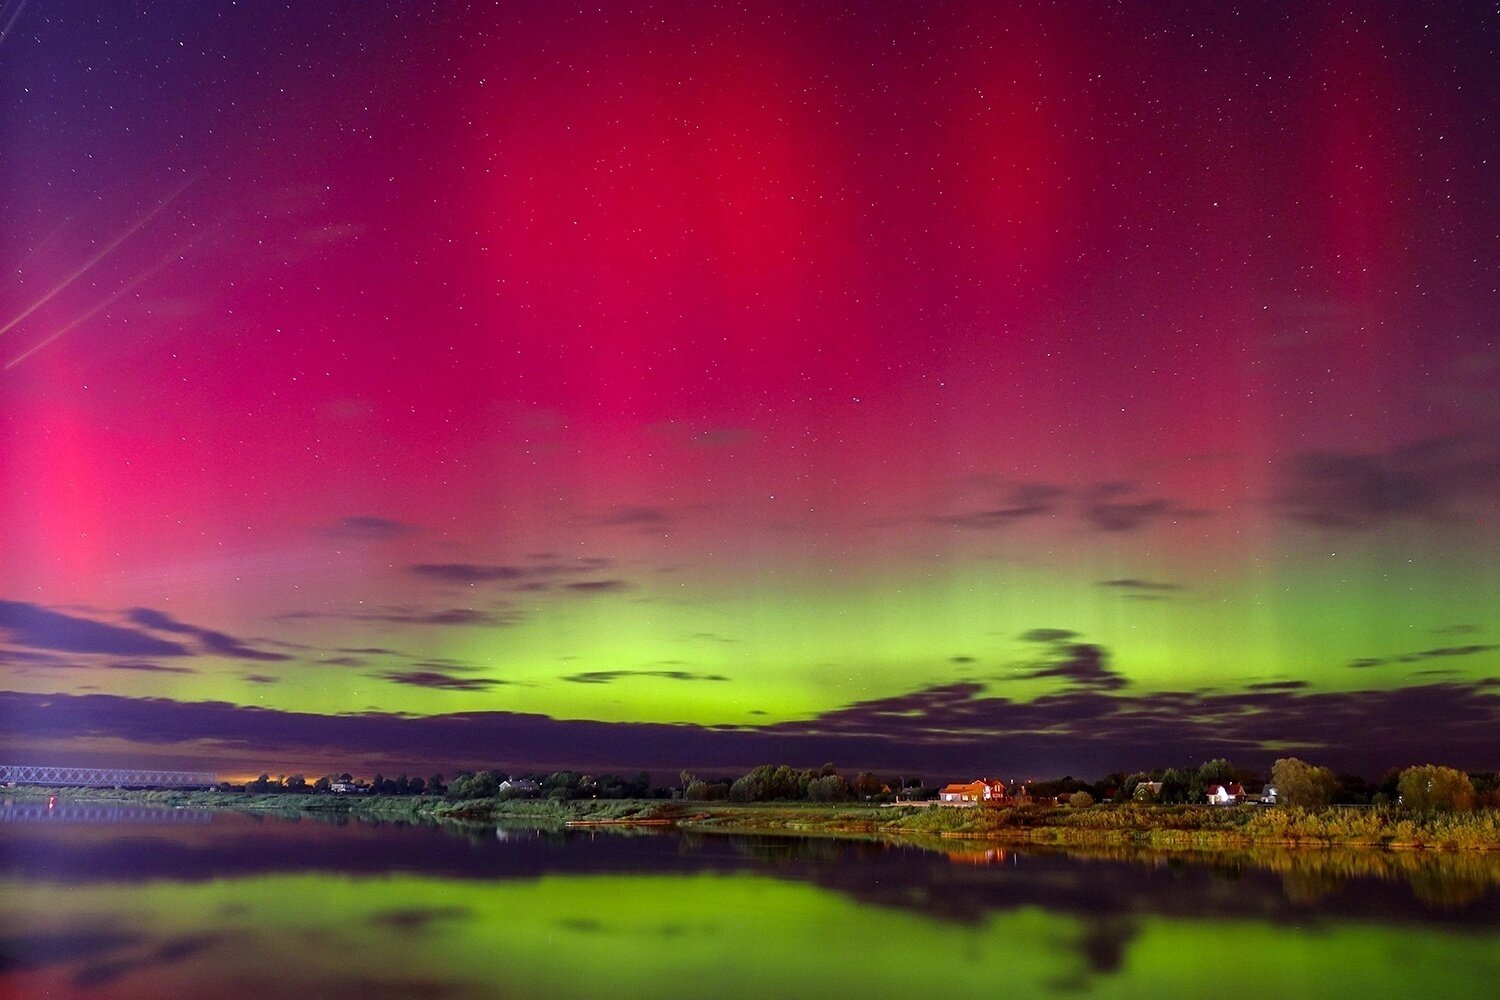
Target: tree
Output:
[(1178, 785), (1216, 772), (296, 783), (699, 790), (751, 787), (1301, 784), (1486, 789), (484, 785), (1080, 800), (436, 785), (323, 784), (830, 788), (1429, 786)]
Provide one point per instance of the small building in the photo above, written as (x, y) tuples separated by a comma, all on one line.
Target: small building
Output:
[(347, 787), (1147, 791), (1225, 795), (515, 787), (973, 793), (1268, 795)]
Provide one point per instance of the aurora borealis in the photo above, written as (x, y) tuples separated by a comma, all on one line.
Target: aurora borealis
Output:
[(952, 386)]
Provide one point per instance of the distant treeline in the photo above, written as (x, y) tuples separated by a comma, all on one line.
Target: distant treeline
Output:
[(1297, 783)]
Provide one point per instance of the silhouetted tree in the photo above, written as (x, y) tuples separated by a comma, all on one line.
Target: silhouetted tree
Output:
[(1429, 786), (1299, 783), (1216, 772), (829, 788)]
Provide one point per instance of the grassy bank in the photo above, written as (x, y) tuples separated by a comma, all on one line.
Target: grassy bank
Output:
[(1156, 827), (1209, 827)]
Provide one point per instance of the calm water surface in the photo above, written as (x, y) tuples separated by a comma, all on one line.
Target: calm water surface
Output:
[(107, 904)]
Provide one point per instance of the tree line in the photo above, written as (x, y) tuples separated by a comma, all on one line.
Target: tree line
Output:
[(1297, 783)]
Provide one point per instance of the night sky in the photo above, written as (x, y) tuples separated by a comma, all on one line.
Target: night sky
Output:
[(965, 387)]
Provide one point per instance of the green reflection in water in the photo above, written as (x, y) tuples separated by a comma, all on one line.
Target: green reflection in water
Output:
[(668, 936)]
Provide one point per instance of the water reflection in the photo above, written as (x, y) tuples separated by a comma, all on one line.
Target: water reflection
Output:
[(263, 907), (95, 813)]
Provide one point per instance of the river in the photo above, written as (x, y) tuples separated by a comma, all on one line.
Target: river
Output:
[(140, 904)]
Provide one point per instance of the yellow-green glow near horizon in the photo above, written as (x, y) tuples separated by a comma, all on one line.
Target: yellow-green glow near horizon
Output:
[(745, 654)]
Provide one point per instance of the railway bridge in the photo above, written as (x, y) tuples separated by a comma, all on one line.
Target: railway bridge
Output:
[(101, 777)]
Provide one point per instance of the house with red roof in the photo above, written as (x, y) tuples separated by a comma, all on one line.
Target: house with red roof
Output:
[(974, 793), (1225, 795)]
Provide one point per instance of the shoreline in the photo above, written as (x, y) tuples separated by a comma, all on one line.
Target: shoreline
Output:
[(1163, 828)]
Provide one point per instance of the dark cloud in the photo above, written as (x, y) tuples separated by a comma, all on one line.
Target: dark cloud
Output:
[(408, 615), (1142, 586), (1048, 635), (42, 628), (261, 678), (597, 586), (215, 643), (439, 681), (944, 730), (1081, 663), (34, 658), (1278, 686), (712, 637), (148, 667), (469, 572), (1425, 654), (1452, 722), (520, 576), (962, 659), (1457, 630), (610, 676), (647, 518), (365, 528), (1116, 507), (1435, 478), (420, 918), (342, 661), (23, 950), (108, 971), (443, 663), (1025, 500)]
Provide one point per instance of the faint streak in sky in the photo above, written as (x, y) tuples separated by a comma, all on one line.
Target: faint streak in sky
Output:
[(114, 297), (111, 248), (5, 31)]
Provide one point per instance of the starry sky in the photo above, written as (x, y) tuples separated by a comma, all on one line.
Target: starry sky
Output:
[(933, 385)]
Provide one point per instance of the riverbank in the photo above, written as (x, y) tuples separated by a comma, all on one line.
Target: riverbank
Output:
[(1156, 827)]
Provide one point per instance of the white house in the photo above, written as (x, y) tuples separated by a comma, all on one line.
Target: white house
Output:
[(519, 786), (1225, 795), (973, 793)]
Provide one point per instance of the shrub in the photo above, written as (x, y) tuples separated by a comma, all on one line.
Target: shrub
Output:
[(1430, 787)]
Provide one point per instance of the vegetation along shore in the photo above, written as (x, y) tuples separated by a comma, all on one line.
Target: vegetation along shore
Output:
[(1159, 827)]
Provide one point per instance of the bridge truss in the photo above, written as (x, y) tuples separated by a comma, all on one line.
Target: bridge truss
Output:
[(99, 777)]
